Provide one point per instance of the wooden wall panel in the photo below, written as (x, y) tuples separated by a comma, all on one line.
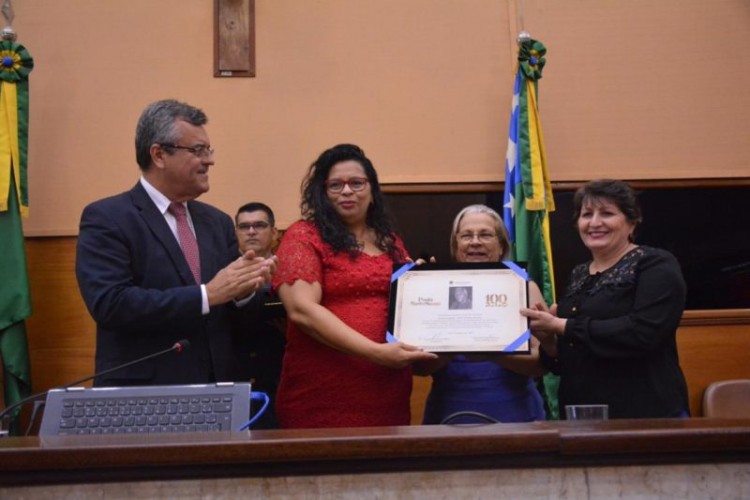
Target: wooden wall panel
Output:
[(60, 331), (62, 334), (711, 353)]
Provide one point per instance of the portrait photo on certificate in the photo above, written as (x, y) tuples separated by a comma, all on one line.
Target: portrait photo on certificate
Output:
[(460, 308)]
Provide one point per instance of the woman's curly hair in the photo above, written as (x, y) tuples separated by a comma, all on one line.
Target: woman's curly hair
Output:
[(316, 206)]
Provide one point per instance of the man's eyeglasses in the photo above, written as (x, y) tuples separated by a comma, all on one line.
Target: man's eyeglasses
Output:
[(257, 226), (482, 237), (199, 150), (355, 184)]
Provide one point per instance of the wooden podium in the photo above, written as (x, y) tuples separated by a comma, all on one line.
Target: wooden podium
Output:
[(517, 460)]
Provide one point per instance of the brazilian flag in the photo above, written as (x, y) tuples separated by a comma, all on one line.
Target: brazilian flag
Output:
[(15, 301)]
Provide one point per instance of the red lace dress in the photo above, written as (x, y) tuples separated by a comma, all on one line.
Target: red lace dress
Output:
[(321, 386)]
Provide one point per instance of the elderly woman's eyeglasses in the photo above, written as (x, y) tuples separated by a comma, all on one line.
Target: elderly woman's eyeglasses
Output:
[(482, 237), (199, 150), (337, 185)]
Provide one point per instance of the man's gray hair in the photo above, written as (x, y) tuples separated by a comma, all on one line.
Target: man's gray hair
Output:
[(157, 126)]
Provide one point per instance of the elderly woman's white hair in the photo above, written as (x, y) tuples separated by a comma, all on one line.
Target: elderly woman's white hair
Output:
[(502, 232)]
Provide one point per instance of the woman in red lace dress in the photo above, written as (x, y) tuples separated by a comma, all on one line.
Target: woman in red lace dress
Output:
[(334, 277)]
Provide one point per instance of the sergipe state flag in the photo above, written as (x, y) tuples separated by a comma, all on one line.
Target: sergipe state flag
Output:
[(527, 200)]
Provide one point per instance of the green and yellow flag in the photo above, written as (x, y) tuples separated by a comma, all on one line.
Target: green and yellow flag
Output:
[(528, 200), (15, 301)]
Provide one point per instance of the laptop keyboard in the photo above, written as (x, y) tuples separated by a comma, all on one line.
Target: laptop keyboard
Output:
[(102, 413), (144, 415)]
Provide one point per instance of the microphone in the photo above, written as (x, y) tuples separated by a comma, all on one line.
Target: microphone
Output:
[(178, 347)]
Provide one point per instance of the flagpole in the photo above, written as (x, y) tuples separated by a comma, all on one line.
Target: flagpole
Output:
[(520, 16), (8, 33)]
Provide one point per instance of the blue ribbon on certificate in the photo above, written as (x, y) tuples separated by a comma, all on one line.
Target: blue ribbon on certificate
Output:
[(401, 270), (395, 276), (524, 337), (517, 269)]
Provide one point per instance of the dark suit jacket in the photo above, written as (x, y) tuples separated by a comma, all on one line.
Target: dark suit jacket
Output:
[(261, 339), (138, 287)]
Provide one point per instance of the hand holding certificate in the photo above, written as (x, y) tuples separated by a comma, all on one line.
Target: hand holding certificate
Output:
[(461, 307)]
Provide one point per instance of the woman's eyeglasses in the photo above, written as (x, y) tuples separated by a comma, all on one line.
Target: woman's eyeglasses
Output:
[(337, 185), (482, 237)]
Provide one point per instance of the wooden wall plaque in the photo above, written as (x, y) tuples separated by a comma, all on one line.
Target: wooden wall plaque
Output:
[(234, 38)]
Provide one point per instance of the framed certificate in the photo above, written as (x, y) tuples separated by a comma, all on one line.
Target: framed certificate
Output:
[(467, 308)]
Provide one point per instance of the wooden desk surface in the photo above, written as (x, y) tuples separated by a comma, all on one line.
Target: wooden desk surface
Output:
[(50, 460)]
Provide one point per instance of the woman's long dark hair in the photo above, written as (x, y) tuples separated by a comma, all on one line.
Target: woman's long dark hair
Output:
[(317, 208)]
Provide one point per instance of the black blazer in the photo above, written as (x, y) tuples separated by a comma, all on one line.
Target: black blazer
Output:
[(138, 287)]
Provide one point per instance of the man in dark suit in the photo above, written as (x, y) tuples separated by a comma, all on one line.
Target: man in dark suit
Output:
[(261, 334), (152, 273)]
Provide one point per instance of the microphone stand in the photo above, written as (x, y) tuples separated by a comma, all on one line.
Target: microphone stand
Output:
[(6, 414)]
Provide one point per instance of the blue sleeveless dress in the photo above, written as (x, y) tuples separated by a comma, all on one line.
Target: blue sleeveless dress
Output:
[(483, 387)]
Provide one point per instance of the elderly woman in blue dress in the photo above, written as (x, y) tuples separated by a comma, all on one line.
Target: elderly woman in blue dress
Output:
[(500, 387)]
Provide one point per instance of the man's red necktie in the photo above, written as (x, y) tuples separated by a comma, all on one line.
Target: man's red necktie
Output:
[(187, 239)]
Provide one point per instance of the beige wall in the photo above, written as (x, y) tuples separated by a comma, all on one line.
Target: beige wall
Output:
[(636, 89)]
